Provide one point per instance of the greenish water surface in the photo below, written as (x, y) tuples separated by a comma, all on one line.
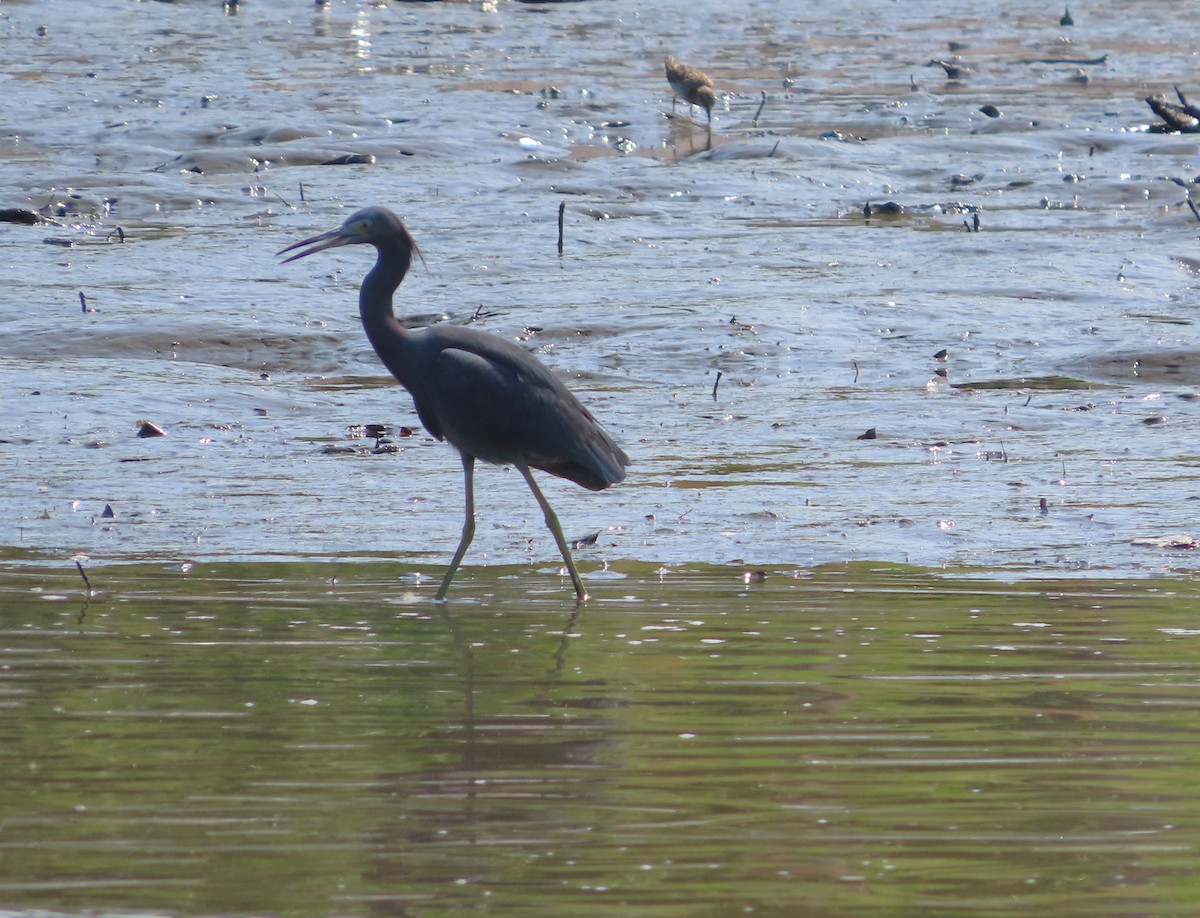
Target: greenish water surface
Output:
[(317, 739)]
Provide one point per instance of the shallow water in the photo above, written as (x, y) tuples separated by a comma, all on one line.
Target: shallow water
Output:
[(854, 741), (261, 712)]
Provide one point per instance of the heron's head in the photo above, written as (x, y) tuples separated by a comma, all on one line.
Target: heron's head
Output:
[(375, 226)]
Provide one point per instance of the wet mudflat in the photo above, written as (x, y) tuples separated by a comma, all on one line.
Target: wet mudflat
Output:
[(207, 142), (260, 711)]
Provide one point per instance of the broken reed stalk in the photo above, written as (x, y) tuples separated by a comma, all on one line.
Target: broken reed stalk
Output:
[(562, 209), (761, 103), (715, 384)]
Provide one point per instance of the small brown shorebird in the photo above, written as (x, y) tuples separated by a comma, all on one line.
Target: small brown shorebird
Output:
[(691, 85)]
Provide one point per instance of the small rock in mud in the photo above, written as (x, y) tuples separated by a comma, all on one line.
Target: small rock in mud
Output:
[(886, 209), (18, 215), (150, 429)]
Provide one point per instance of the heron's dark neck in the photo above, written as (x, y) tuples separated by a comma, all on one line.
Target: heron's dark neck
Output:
[(375, 295), (392, 342)]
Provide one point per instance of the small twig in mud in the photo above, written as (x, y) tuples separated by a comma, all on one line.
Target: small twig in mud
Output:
[(301, 192), (82, 302), (284, 201), (1192, 207), (773, 149), (1003, 452), (854, 363), (975, 221), (562, 209), (1028, 399), (82, 573), (762, 102), (118, 232), (715, 384)]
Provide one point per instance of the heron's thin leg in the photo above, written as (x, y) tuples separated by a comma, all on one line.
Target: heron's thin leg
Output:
[(468, 530), (555, 530)]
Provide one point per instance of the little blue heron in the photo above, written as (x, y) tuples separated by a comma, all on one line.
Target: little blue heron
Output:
[(490, 398), (691, 85)]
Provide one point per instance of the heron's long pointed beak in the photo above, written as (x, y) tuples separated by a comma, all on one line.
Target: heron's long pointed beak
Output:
[(329, 240)]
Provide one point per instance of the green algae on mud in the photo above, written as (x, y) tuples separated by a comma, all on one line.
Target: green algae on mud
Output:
[(1042, 383)]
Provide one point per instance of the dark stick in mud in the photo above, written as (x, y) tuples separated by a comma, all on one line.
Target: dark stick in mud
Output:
[(761, 103)]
